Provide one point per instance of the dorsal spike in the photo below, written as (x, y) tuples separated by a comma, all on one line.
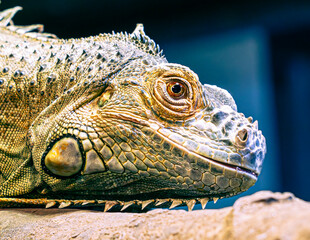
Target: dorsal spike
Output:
[(25, 29), (50, 204), (215, 200), (109, 204), (6, 21), (43, 36), (157, 48), (175, 203), (127, 204), (7, 15), (161, 201), (143, 39), (152, 43), (203, 202), (64, 204), (144, 204), (87, 202), (190, 204)]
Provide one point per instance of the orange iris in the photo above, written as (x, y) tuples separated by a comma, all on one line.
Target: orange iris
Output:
[(176, 89)]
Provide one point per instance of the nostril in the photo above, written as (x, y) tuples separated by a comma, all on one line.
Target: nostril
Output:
[(243, 134), (242, 137)]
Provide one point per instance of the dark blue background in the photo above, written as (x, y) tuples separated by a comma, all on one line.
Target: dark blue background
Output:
[(258, 50)]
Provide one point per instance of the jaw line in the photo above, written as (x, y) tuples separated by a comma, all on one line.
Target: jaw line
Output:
[(243, 170), (155, 127)]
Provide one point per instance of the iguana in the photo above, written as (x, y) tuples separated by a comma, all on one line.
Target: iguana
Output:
[(106, 120)]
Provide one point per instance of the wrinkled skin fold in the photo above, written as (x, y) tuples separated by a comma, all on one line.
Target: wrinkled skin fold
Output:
[(107, 118)]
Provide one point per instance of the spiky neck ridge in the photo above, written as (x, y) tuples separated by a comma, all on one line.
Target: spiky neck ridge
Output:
[(138, 37), (49, 68)]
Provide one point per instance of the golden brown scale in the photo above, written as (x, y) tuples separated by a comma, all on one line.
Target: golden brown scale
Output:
[(106, 120)]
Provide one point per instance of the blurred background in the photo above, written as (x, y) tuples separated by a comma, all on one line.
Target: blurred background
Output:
[(258, 50)]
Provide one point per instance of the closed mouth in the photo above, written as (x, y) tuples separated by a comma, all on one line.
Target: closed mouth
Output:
[(235, 168)]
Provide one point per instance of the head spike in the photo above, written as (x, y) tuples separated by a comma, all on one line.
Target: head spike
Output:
[(144, 42), (175, 203), (255, 124), (109, 204), (190, 204), (250, 119), (139, 30), (203, 202)]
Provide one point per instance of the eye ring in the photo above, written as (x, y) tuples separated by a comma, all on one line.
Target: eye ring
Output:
[(176, 89)]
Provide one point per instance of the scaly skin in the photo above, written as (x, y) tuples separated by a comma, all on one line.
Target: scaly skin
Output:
[(107, 120)]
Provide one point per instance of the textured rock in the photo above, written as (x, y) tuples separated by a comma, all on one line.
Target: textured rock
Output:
[(263, 215)]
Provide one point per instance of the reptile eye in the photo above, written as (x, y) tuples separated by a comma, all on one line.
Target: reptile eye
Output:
[(175, 95), (176, 89)]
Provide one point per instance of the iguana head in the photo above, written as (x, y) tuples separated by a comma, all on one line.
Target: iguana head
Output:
[(144, 129)]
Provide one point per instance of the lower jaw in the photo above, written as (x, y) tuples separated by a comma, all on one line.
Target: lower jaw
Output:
[(150, 188), (103, 200)]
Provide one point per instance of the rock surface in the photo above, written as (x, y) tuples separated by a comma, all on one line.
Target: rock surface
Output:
[(263, 215)]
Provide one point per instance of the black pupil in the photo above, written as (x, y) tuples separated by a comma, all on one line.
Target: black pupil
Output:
[(176, 88)]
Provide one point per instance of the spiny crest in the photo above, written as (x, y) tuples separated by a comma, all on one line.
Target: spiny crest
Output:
[(7, 15), (138, 38), (34, 31), (145, 42), (141, 40)]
